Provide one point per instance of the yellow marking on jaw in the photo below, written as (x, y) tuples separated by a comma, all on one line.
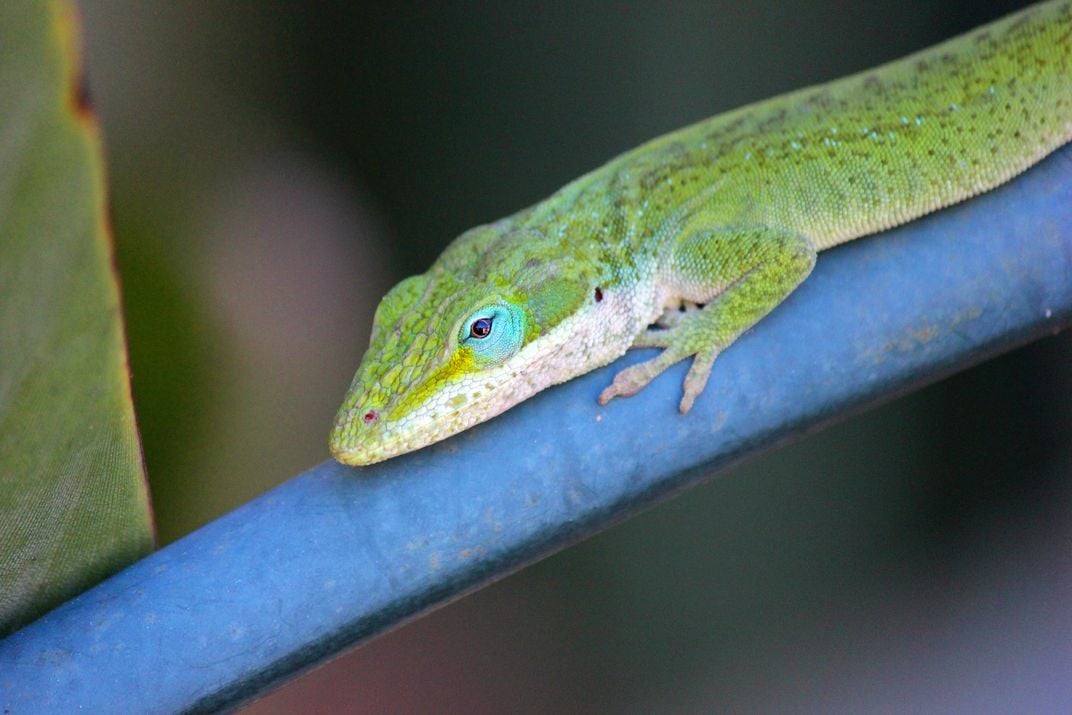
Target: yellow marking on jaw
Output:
[(460, 363)]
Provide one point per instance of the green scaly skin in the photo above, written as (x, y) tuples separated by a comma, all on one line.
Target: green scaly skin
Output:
[(687, 241)]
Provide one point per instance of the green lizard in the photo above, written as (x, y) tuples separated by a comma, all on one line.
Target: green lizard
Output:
[(687, 241)]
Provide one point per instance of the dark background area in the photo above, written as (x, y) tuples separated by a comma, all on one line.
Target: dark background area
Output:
[(277, 166)]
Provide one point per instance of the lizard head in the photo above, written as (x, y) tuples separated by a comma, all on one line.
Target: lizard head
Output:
[(475, 335)]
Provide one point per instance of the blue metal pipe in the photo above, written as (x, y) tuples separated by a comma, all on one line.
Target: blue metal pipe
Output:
[(337, 554)]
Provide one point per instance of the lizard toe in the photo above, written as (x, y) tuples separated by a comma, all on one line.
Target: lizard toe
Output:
[(696, 379)]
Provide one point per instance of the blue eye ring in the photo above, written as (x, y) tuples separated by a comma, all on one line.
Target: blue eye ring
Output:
[(480, 328), (493, 333)]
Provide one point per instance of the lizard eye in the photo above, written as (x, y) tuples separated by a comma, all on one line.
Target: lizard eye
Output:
[(494, 333), (481, 328)]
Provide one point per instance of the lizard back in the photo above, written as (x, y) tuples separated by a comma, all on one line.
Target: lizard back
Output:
[(854, 156)]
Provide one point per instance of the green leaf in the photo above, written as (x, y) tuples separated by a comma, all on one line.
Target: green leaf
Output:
[(74, 505)]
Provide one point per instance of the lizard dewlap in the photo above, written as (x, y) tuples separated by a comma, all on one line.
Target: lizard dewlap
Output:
[(687, 241)]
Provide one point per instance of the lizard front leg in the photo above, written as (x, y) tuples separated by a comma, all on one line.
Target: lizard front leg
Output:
[(739, 274)]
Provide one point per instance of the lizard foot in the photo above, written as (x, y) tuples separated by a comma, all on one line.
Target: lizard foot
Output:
[(696, 379), (635, 378)]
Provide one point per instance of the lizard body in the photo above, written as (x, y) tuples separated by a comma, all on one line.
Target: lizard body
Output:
[(687, 241)]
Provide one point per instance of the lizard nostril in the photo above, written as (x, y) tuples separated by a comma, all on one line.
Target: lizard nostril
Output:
[(370, 416)]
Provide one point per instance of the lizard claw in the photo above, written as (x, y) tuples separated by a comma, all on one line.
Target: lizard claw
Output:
[(635, 378), (696, 379)]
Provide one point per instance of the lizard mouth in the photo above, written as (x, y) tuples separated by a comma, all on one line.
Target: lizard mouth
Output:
[(356, 456), (366, 449), (371, 441), (366, 436)]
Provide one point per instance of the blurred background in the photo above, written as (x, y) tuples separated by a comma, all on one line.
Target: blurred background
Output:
[(277, 166)]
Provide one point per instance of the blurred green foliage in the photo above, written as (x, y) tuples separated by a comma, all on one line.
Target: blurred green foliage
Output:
[(73, 501)]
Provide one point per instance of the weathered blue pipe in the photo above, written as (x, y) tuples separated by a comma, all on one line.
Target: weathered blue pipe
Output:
[(337, 555)]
